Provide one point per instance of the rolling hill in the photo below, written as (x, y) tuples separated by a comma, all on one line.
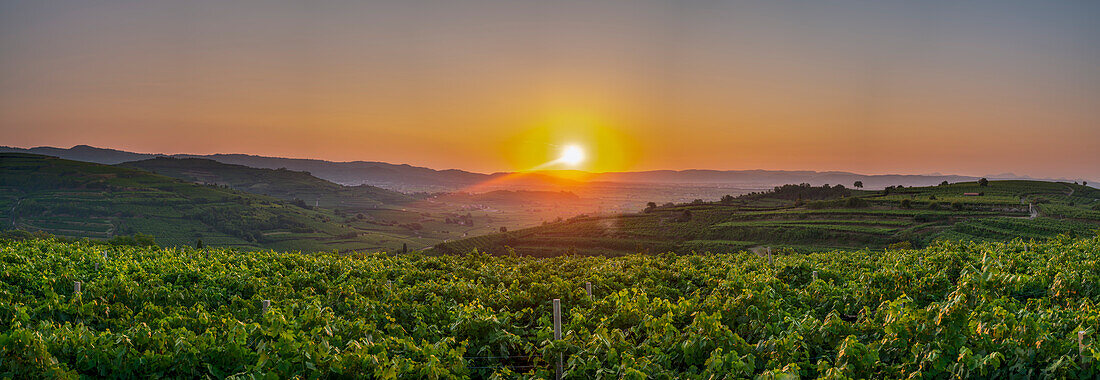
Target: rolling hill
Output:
[(279, 183), (806, 218), (86, 200), (408, 178)]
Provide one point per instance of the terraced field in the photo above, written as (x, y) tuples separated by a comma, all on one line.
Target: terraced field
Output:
[(848, 220)]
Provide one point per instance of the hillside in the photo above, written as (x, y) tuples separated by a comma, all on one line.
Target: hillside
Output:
[(279, 183), (815, 218), (79, 199), (953, 310)]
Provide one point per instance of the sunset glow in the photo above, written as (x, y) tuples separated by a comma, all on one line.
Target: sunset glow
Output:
[(493, 86)]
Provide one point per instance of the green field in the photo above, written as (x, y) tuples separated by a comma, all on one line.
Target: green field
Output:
[(952, 310), (811, 218)]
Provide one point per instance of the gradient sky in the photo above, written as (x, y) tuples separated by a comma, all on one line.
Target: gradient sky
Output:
[(976, 87)]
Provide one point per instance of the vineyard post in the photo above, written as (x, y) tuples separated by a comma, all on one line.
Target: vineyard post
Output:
[(588, 288), (557, 335), (770, 262), (266, 305), (1081, 345), (815, 275), (97, 267), (76, 287)]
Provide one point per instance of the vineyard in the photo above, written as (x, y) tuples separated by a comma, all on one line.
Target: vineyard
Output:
[(802, 217), (969, 310)]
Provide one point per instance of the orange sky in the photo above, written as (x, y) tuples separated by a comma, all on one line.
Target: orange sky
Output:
[(980, 88)]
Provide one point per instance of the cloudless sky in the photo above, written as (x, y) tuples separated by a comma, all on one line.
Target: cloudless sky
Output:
[(975, 87)]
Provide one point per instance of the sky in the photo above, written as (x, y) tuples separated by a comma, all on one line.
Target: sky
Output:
[(976, 87)]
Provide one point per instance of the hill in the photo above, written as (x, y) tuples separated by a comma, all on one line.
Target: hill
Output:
[(953, 310), (79, 199), (802, 217), (408, 178), (83, 153), (279, 183)]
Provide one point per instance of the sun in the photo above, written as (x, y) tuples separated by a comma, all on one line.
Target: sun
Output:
[(572, 155)]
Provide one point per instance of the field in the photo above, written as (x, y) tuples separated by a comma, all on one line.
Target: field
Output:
[(962, 310), (813, 218)]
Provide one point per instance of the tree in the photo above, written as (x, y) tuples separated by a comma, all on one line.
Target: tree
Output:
[(858, 184), (404, 248), (198, 244), (906, 204), (727, 198), (983, 182), (685, 216), (944, 183), (503, 229), (650, 206)]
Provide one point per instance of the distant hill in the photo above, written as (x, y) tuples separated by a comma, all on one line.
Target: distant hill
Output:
[(408, 178), (382, 174), (399, 177), (88, 200), (808, 218), (769, 178), (280, 183), (83, 153)]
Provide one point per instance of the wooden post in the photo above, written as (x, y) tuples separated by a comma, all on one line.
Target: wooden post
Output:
[(770, 262), (76, 287), (588, 288), (557, 335), (266, 304), (1081, 345), (97, 267), (815, 275)]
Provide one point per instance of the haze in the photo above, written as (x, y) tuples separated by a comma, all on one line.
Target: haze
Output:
[(873, 87)]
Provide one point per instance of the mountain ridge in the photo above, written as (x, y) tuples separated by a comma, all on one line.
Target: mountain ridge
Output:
[(410, 178)]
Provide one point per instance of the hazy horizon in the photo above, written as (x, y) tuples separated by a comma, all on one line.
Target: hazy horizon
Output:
[(939, 173), (975, 89)]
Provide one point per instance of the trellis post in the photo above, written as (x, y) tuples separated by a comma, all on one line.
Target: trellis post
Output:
[(557, 336), (1081, 345)]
